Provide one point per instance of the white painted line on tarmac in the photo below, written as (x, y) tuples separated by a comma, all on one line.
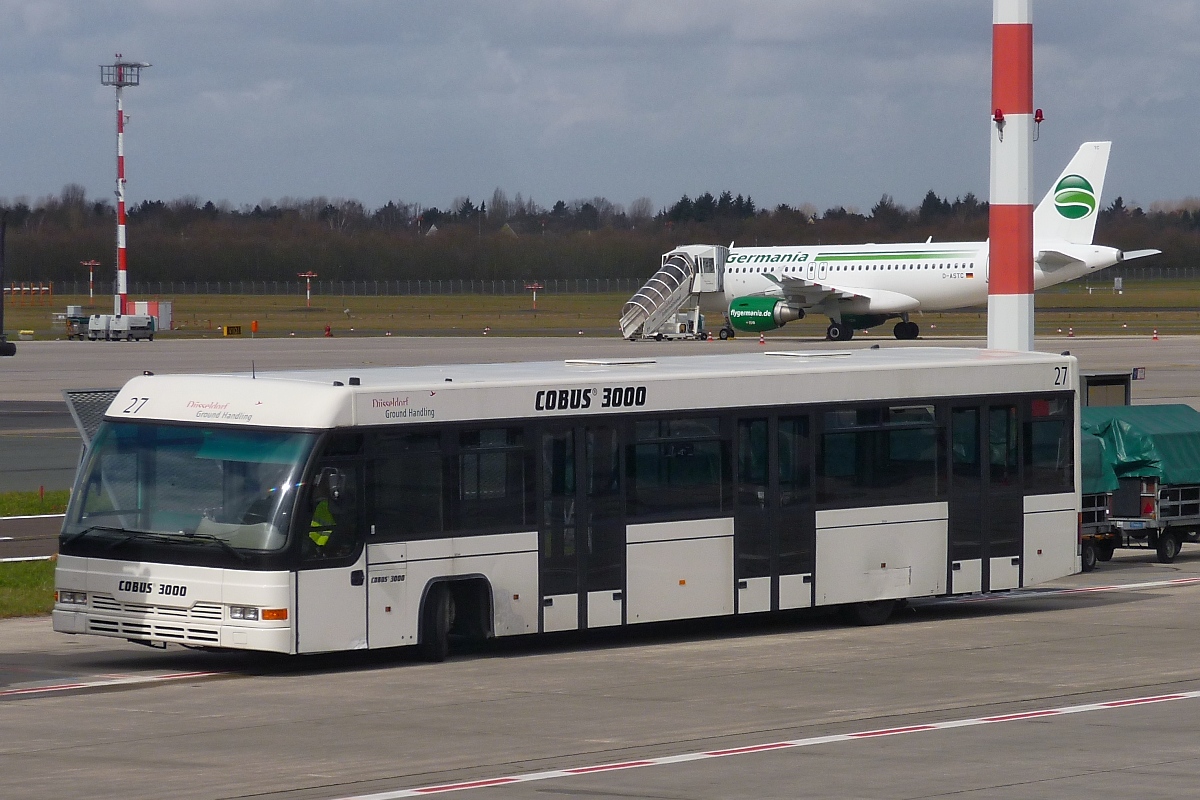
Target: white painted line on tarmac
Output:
[(128, 680), (25, 558), (34, 516), (682, 758), (5, 538)]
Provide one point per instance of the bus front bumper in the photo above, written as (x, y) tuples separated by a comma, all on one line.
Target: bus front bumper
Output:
[(280, 639)]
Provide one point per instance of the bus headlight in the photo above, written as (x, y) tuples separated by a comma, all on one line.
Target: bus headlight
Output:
[(72, 598), (243, 612)]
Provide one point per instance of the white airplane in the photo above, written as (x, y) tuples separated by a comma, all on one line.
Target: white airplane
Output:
[(862, 286)]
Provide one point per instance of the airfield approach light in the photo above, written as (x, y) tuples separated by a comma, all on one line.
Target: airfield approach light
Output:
[(120, 74)]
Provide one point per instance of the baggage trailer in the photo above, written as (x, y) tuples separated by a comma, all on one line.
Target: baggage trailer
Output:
[(1154, 451), (1098, 537)]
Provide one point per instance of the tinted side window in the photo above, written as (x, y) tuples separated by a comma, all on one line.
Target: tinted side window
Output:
[(408, 487), (493, 480), (676, 468), (873, 457), (1049, 445)]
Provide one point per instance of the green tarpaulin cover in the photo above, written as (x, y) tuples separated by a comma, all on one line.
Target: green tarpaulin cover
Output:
[(1147, 441)]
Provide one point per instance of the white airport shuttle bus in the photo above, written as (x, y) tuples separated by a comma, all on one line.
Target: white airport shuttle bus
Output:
[(320, 511)]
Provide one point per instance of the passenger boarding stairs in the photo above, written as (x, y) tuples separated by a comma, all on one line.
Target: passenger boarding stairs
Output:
[(686, 272)]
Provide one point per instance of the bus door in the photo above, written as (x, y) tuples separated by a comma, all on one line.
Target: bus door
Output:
[(774, 515), (986, 501), (331, 592), (582, 536)]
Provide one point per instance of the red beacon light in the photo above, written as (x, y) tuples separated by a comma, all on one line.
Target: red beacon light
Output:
[(1038, 118), (998, 118)]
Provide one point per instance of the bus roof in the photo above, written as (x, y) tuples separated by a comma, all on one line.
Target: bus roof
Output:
[(328, 398)]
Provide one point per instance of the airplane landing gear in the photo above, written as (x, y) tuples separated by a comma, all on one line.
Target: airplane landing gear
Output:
[(839, 332), (725, 333), (906, 330)]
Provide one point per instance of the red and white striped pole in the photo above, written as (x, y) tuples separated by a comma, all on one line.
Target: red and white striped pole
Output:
[(1010, 222), (122, 282)]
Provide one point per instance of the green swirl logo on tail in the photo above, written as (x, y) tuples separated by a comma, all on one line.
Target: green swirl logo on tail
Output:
[(1074, 197)]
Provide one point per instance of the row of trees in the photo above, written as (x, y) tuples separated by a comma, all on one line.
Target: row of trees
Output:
[(502, 238)]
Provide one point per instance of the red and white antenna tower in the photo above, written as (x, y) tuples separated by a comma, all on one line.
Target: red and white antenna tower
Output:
[(1010, 219), (121, 74)]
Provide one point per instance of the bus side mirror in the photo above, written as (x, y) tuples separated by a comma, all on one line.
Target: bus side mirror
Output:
[(332, 480)]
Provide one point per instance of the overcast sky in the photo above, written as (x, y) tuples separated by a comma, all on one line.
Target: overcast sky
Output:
[(829, 102)]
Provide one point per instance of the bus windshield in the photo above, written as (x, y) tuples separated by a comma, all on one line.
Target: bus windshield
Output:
[(232, 489)]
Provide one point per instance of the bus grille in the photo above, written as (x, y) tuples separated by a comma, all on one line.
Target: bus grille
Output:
[(139, 629), (208, 611)]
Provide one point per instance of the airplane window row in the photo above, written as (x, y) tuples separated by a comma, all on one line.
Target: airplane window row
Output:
[(861, 267)]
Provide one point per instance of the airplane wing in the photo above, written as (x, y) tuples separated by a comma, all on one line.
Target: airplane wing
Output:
[(812, 293)]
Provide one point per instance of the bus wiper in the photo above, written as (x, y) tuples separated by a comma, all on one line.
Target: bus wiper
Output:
[(79, 535), (226, 546)]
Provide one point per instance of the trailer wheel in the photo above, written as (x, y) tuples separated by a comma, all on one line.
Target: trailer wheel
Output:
[(1168, 547), (1088, 553), (1105, 550)]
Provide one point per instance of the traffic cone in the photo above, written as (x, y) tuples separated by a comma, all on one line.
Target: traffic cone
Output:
[(710, 336), (1156, 334), (762, 338), (1070, 331)]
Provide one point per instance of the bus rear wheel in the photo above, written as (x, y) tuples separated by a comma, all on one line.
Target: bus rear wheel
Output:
[(436, 617), (875, 612)]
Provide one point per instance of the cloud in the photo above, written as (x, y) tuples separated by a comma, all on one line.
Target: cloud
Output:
[(823, 101)]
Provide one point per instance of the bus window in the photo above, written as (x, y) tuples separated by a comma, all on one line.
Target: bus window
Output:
[(407, 487), (870, 457), (1049, 448), (493, 481), (675, 468), (330, 525)]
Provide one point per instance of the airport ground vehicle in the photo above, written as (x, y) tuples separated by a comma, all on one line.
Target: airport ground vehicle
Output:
[(681, 325), (1154, 451), (118, 327), (330, 510)]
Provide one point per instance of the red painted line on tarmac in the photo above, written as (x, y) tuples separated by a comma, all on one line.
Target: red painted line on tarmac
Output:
[(682, 758), (1162, 698), (607, 767), (125, 680)]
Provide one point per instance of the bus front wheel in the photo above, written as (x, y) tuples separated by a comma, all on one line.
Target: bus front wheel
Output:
[(875, 612), (436, 617)]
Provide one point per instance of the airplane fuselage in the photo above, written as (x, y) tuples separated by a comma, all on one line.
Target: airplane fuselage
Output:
[(891, 279)]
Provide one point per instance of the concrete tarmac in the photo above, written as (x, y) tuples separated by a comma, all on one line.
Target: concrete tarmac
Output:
[(351, 725)]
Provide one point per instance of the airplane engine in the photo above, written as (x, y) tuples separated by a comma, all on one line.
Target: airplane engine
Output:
[(759, 314)]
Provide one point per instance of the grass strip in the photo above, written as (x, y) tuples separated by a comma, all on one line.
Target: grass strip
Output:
[(26, 588), (19, 504)]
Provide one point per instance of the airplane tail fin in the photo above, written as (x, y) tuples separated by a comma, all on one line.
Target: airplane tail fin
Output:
[(1068, 211)]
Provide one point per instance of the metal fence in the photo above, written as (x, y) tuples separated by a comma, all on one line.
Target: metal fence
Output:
[(444, 286), (367, 288)]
